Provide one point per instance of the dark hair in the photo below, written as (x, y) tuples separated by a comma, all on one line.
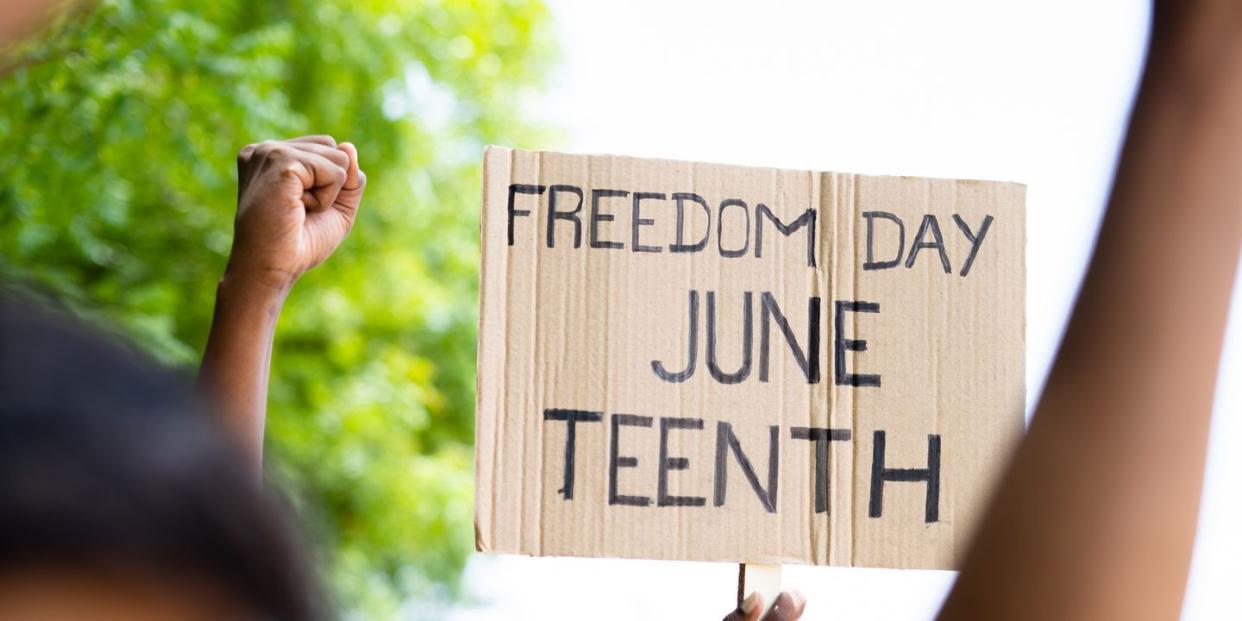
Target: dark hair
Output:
[(108, 459)]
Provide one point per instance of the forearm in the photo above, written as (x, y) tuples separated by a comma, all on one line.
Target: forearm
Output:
[(1096, 517), (296, 201), (237, 359)]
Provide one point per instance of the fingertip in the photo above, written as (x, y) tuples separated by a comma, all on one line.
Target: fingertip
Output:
[(798, 598), (752, 606), (789, 606)]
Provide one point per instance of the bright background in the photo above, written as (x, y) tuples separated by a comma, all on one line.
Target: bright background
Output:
[(1036, 92), (119, 125)]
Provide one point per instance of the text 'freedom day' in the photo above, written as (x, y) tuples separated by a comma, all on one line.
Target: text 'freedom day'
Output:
[(563, 205)]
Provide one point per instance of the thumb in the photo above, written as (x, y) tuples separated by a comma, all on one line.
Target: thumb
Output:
[(748, 610)]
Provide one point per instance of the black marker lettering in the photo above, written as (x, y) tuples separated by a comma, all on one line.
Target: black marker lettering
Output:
[(871, 263), (597, 217), (571, 418), (807, 219), (842, 345), (514, 190), (572, 216), (680, 245), (975, 240), (747, 329), (732, 202), (931, 475), (617, 461), (663, 499), (693, 347), (637, 221), (929, 224), (821, 437), (769, 311), (726, 441)]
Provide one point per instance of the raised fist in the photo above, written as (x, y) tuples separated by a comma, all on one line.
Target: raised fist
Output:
[(296, 201)]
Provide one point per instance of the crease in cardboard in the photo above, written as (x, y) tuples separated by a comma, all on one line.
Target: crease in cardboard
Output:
[(591, 321)]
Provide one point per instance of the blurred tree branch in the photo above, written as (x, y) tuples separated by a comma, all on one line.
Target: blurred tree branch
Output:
[(117, 186)]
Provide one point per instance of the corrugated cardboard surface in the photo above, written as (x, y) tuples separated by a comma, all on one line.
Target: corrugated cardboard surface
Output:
[(570, 322)]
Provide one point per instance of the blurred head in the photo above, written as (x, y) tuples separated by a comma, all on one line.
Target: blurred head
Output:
[(119, 496)]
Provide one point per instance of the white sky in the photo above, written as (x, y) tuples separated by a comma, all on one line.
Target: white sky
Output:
[(1035, 92)]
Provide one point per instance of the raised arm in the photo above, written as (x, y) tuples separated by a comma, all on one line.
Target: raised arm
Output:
[(1096, 516), (296, 201)]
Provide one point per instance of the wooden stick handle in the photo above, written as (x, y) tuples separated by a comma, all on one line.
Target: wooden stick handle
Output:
[(766, 579)]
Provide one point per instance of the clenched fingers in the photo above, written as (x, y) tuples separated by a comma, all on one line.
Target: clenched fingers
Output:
[(333, 154), (321, 139), (320, 178), (328, 173), (326, 180)]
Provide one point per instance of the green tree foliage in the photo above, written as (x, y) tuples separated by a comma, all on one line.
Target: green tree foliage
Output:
[(118, 130)]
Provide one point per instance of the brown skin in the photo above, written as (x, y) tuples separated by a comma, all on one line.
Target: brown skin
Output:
[(1096, 516), (113, 594), (297, 199), (305, 232), (788, 607)]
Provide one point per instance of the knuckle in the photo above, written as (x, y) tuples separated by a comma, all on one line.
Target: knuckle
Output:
[(268, 147)]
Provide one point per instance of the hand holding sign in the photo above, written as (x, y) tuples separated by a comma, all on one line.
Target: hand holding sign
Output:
[(788, 607), (297, 200)]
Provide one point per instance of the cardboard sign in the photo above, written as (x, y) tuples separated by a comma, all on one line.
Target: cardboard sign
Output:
[(681, 360)]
